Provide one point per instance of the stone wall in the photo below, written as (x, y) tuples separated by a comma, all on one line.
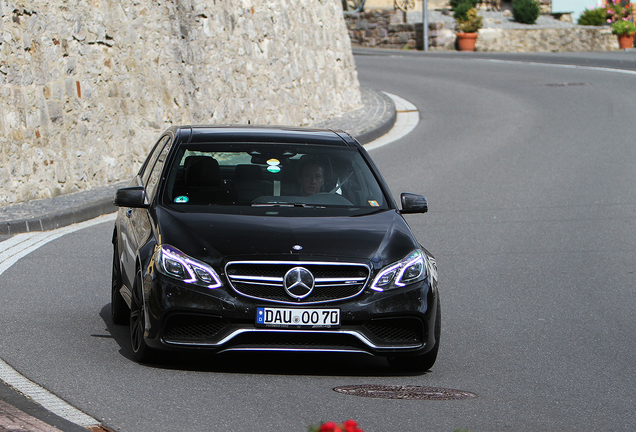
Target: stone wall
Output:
[(547, 40), (387, 29), (379, 29), (87, 86)]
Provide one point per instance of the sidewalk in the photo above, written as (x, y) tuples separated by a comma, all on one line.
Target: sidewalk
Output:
[(372, 120), (20, 413)]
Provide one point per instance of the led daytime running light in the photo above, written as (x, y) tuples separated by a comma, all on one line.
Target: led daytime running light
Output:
[(379, 284), (408, 265), (393, 276), (192, 268)]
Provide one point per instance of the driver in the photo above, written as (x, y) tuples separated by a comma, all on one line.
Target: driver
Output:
[(311, 175)]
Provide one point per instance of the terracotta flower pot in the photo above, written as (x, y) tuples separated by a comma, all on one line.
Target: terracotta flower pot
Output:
[(625, 41), (466, 41)]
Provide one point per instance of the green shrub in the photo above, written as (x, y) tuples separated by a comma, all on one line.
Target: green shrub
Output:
[(620, 28), (471, 24), (593, 17), (455, 3), (462, 9), (525, 11)]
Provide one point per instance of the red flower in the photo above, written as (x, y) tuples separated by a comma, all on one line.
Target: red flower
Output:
[(351, 426), (329, 427), (346, 426)]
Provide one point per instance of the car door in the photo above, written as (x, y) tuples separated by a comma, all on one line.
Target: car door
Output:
[(135, 227)]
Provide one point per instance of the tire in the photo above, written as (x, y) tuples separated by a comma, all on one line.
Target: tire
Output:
[(141, 352), (423, 362), (119, 311)]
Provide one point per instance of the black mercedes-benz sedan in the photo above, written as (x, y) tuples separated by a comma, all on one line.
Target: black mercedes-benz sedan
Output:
[(271, 239)]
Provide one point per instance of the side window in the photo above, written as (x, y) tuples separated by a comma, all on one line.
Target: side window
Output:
[(152, 158), (155, 173)]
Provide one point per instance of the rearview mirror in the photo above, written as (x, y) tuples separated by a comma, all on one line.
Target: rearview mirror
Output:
[(413, 203), (133, 197)]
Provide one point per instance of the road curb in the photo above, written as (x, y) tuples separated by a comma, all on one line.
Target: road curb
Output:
[(384, 123), (28, 406), (58, 219), (375, 118), (51, 213)]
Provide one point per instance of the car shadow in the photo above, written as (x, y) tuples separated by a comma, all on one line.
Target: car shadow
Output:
[(265, 363)]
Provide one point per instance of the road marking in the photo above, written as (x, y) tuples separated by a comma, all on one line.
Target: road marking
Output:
[(566, 66), (407, 118), (20, 245), (11, 251)]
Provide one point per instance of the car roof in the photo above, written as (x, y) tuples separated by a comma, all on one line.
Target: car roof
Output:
[(263, 134)]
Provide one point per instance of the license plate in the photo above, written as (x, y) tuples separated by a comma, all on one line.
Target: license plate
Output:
[(298, 318)]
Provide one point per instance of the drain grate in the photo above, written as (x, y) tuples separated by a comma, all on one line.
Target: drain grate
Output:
[(404, 392)]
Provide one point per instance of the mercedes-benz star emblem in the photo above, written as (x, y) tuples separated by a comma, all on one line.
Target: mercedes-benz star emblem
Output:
[(299, 282)]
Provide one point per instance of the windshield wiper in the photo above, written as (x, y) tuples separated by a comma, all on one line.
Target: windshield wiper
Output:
[(287, 204)]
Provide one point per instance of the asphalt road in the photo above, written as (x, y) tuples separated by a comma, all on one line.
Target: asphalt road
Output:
[(530, 173)]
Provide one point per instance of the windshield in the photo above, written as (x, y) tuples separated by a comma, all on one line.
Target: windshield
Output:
[(237, 177)]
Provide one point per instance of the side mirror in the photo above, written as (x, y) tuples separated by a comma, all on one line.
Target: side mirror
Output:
[(133, 197), (412, 203)]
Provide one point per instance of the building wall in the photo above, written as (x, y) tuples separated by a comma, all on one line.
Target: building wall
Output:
[(87, 86)]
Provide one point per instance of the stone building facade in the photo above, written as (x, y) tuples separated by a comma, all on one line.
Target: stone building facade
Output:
[(87, 86)]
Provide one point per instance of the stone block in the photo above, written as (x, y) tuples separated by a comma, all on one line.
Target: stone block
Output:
[(362, 24), (396, 18)]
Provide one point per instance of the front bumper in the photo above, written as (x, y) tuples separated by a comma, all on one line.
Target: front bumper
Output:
[(378, 323)]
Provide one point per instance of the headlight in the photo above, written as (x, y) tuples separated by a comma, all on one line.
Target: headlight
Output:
[(410, 269), (174, 263), (431, 267)]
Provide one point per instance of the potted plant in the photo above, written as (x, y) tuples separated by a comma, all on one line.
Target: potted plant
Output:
[(624, 30), (468, 24)]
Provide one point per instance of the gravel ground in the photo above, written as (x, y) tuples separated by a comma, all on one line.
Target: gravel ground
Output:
[(493, 20)]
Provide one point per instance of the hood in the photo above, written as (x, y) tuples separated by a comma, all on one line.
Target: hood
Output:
[(381, 237)]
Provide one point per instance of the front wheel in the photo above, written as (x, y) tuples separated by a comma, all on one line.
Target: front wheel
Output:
[(423, 362), (141, 352)]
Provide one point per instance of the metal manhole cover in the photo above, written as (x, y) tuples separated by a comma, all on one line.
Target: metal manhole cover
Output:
[(404, 392)]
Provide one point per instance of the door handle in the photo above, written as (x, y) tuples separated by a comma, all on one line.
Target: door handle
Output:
[(129, 212)]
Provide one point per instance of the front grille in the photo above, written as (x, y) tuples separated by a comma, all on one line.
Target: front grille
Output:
[(265, 280), (396, 330), (189, 328)]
